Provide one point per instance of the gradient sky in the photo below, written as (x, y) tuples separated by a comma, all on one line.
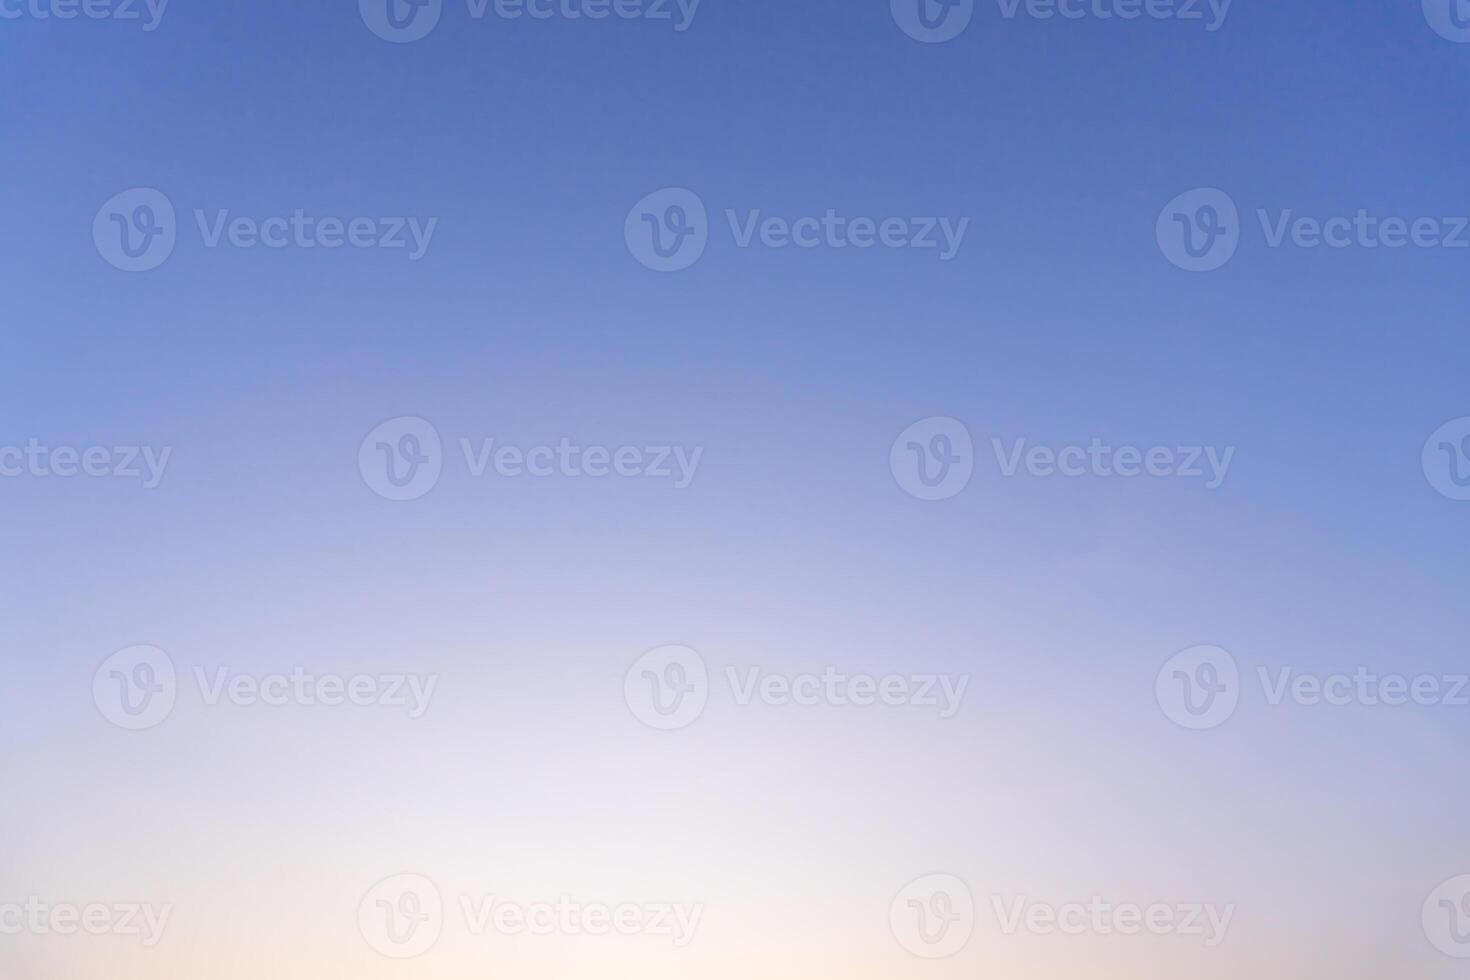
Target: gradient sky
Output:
[(529, 321)]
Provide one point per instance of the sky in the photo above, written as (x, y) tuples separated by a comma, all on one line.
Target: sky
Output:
[(364, 458)]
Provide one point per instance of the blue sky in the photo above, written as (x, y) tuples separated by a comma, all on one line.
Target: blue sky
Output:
[(529, 320)]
